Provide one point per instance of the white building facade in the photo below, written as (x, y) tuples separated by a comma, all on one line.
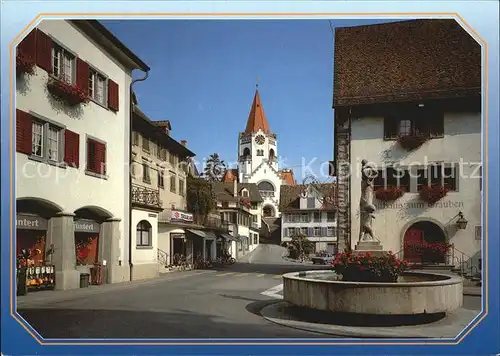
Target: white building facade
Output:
[(305, 212), (423, 140), (72, 129)]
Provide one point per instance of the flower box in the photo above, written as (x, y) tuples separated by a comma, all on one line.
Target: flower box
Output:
[(369, 268), (412, 142), (433, 193), (69, 93), (389, 194), (24, 64)]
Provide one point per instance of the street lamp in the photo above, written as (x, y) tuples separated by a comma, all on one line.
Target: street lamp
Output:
[(461, 221)]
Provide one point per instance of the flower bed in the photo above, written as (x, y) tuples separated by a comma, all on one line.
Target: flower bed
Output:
[(70, 94), (369, 268), (24, 65), (411, 142), (433, 193), (389, 194)]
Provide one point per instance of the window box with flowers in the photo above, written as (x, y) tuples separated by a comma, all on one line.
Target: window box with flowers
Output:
[(413, 141), (432, 194), (369, 268), (24, 64), (389, 194), (432, 252), (68, 93)]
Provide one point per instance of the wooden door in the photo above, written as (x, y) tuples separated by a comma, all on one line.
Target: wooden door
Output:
[(413, 236)]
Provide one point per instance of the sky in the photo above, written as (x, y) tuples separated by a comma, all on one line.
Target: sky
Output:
[(204, 74)]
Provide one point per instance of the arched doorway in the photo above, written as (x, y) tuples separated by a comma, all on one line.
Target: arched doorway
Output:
[(417, 236), (32, 221), (87, 225), (268, 211)]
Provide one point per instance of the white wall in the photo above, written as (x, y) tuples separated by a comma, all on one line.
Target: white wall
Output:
[(324, 223), (71, 188), (462, 142), (164, 241)]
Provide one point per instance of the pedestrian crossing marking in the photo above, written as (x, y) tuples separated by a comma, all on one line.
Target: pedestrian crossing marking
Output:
[(224, 274)]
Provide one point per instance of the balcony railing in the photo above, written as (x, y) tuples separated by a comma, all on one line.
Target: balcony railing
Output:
[(146, 196)]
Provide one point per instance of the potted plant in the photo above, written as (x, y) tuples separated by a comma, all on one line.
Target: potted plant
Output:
[(24, 64), (389, 194), (369, 268), (71, 94), (412, 142), (432, 194)]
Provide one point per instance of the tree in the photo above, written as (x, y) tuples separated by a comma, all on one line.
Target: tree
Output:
[(214, 168), (300, 247), (200, 198)]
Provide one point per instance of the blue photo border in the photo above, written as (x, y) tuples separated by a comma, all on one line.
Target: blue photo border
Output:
[(479, 18)]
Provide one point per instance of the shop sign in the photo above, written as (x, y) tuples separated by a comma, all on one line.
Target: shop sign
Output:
[(181, 216), (30, 222), (177, 236), (87, 226)]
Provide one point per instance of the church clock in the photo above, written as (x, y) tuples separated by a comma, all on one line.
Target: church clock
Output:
[(260, 140)]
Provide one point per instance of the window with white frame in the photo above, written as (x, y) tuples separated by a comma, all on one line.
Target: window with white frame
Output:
[(47, 141), (330, 231), (304, 217), (392, 177), (317, 217), (303, 231), (317, 231), (438, 175), (63, 64), (97, 86)]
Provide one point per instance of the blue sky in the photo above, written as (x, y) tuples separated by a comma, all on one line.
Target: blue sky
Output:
[(203, 76)]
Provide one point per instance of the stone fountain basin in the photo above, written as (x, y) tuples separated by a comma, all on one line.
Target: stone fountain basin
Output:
[(416, 293)]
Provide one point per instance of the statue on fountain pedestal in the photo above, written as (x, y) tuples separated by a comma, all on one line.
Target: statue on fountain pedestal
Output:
[(366, 207)]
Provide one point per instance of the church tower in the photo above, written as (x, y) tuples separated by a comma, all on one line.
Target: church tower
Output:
[(258, 158)]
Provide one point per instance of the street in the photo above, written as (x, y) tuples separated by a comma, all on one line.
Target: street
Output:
[(221, 303)]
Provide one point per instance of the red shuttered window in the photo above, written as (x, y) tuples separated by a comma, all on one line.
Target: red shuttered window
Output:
[(96, 156), (113, 94), (44, 51), (82, 75), (72, 148), (24, 123)]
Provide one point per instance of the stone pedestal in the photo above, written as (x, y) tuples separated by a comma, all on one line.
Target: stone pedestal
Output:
[(375, 247)]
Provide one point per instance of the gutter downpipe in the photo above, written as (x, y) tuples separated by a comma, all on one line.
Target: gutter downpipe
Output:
[(131, 119)]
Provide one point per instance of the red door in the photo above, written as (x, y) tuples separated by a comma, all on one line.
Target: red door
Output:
[(413, 236)]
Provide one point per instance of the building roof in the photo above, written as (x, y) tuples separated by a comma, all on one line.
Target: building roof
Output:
[(257, 118), (405, 61), (102, 36), (144, 124), (287, 176), (230, 175), (224, 191), (290, 195)]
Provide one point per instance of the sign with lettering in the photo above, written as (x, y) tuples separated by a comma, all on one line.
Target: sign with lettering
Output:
[(445, 204), (87, 226), (181, 216), (30, 222), (177, 236)]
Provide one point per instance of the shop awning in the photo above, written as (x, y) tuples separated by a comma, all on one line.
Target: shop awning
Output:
[(204, 234), (229, 237)]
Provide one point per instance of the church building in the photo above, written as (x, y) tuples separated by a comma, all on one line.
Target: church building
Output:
[(258, 160)]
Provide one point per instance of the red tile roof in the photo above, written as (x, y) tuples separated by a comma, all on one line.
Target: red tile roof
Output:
[(405, 61), (230, 175), (257, 118), (287, 176)]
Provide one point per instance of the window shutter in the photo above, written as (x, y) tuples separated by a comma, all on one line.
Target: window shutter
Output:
[(113, 95), (100, 157), (310, 231), (43, 51), (24, 129), (27, 47), (323, 231), (82, 75), (72, 148)]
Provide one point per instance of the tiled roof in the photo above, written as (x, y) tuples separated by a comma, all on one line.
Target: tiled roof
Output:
[(405, 61), (287, 176), (257, 118), (224, 191), (290, 195), (230, 175)]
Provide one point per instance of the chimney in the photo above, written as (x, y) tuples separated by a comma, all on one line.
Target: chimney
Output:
[(184, 143), (235, 187)]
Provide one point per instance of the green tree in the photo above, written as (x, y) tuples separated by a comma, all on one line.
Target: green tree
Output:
[(200, 198), (214, 168), (300, 247)]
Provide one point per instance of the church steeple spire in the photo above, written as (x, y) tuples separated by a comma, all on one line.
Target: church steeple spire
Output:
[(257, 118)]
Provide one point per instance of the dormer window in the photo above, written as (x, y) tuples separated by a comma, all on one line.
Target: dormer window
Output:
[(244, 193)]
